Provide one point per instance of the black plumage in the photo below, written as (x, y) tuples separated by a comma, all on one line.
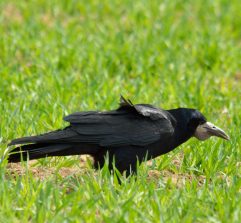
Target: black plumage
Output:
[(129, 134)]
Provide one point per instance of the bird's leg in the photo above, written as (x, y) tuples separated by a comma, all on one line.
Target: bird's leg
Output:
[(124, 159), (99, 159)]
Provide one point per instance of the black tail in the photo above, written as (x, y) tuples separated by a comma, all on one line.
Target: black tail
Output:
[(64, 142), (39, 150)]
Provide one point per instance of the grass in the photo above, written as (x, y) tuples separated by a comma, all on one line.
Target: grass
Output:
[(57, 57)]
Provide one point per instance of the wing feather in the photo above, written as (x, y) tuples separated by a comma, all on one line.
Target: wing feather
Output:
[(130, 124)]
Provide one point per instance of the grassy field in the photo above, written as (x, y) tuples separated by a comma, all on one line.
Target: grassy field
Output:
[(57, 57)]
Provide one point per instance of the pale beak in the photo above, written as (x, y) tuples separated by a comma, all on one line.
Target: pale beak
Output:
[(215, 131)]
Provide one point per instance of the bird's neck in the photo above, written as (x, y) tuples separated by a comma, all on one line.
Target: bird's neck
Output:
[(181, 133), (181, 136)]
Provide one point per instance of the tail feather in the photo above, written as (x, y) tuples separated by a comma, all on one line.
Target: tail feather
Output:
[(50, 137), (36, 151), (28, 139)]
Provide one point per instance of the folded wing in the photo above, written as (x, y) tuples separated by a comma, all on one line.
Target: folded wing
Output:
[(130, 124)]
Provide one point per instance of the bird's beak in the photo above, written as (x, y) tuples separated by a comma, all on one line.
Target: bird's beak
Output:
[(213, 130)]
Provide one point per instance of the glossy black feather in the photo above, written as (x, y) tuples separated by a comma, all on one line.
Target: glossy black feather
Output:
[(130, 133)]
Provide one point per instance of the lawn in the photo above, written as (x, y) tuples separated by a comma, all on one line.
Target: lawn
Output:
[(58, 57)]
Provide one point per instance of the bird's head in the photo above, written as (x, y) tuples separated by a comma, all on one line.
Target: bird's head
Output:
[(203, 129), (194, 123)]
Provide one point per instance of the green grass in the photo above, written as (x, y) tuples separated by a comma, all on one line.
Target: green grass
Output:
[(57, 57)]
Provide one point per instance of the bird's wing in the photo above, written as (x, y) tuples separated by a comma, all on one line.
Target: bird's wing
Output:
[(146, 110), (128, 125)]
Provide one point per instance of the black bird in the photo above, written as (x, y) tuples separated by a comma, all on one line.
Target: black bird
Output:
[(128, 134)]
